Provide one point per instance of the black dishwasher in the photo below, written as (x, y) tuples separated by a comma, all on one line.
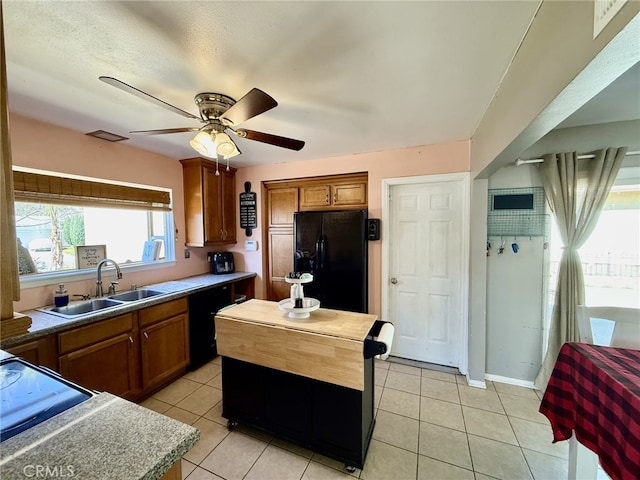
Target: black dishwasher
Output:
[(203, 307)]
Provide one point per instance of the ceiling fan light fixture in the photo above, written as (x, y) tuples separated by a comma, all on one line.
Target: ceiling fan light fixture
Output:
[(203, 144), (225, 146)]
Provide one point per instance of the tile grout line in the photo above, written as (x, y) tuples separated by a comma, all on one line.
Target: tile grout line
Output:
[(420, 420), (515, 436)]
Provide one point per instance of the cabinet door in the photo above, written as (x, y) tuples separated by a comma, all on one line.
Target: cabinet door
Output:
[(228, 206), (350, 195), (314, 196), (280, 263), (243, 386), (288, 404), (40, 352), (109, 365), (213, 221), (165, 350), (283, 203)]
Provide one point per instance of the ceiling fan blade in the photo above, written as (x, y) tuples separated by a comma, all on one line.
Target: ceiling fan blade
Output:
[(139, 93), (253, 103), (166, 130), (276, 140)]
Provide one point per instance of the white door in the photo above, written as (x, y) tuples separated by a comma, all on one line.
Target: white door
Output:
[(427, 270)]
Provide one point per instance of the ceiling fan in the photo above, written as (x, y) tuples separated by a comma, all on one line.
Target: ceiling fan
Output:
[(219, 113)]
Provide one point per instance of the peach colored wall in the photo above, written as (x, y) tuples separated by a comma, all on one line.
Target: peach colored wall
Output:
[(62, 150), (423, 160)]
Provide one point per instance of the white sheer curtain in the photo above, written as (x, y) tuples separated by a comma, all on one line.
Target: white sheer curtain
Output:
[(576, 191), (9, 281)]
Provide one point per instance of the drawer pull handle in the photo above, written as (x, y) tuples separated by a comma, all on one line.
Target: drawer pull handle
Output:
[(326, 200), (131, 340), (335, 198), (146, 335)]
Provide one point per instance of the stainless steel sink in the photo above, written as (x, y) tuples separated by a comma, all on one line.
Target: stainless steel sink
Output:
[(134, 295), (82, 308)]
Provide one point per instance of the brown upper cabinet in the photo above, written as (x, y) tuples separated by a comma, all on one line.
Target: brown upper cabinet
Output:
[(209, 203), (338, 194)]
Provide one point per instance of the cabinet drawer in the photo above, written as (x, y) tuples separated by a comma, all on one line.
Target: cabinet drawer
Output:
[(162, 311), (90, 334)]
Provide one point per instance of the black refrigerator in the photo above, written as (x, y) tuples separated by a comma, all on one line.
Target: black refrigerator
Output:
[(332, 245)]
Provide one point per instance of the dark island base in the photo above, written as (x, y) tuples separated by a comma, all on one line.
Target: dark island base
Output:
[(329, 419)]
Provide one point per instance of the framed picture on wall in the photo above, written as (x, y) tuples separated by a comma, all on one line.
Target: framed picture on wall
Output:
[(88, 256)]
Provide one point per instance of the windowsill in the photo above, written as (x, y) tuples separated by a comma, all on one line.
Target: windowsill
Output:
[(53, 278)]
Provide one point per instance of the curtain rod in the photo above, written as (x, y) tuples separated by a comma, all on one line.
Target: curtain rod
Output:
[(519, 161)]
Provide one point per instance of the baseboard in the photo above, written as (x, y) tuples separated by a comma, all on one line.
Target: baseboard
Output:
[(419, 364), (509, 380), (476, 383)]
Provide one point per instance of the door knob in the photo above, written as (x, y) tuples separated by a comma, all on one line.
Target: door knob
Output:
[(394, 280)]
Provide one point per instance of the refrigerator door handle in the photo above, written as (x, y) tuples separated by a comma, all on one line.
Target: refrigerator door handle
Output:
[(321, 253)]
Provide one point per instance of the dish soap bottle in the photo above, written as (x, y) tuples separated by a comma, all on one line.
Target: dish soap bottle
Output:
[(61, 297)]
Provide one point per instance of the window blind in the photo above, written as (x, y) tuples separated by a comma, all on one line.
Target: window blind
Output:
[(41, 188)]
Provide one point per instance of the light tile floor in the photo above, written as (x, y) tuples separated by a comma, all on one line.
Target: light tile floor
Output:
[(429, 425)]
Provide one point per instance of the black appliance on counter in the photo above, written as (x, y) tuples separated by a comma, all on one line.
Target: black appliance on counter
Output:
[(30, 395), (203, 307), (332, 245), (221, 262)]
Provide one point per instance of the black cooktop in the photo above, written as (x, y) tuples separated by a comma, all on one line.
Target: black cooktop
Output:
[(30, 395)]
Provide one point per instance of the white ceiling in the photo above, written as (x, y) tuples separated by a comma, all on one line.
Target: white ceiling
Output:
[(349, 77)]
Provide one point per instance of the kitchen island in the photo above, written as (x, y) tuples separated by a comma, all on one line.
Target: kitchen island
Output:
[(304, 380)]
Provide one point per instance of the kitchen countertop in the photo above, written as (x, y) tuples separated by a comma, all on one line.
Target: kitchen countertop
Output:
[(103, 437), (43, 323)]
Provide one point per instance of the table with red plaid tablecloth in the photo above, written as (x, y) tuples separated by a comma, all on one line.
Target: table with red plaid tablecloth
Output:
[(595, 391)]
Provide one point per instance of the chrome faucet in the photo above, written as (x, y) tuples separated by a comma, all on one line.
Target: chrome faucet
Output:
[(112, 288)]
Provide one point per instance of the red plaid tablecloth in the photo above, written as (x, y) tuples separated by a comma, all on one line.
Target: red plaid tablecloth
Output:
[(595, 391)]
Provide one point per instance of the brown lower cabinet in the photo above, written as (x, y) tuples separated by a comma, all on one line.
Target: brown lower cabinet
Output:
[(130, 355), (164, 342), (41, 351), (102, 356)]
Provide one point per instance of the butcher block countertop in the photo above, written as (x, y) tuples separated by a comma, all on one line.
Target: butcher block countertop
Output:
[(327, 346)]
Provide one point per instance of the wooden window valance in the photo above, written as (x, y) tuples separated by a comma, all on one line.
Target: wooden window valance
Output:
[(41, 188)]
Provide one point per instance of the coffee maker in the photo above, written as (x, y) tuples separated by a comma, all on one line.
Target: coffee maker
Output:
[(221, 262)]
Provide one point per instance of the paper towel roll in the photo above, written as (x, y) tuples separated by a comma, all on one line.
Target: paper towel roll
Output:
[(386, 336)]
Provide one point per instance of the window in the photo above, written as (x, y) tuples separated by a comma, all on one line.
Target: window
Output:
[(55, 215), (610, 258)]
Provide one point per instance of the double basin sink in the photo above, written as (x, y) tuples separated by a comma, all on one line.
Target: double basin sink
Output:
[(90, 306)]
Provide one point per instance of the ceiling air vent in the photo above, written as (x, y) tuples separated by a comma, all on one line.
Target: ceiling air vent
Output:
[(108, 136), (603, 12)]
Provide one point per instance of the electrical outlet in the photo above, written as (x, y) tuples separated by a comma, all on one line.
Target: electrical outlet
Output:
[(187, 253)]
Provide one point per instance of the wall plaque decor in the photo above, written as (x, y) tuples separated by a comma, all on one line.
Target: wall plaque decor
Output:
[(248, 210)]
